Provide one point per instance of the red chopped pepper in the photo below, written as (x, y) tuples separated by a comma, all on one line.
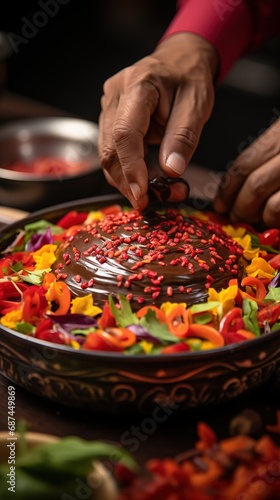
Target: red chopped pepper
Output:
[(246, 333), (111, 339), (232, 321), (7, 262), (96, 342), (44, 331), (5, 269), (258, 285), (34, 304), (9, 291), (233, 337), (60, 295), (206, 435), (123, 475), (178, 321), (269, 314), (180, 347), (206, 332), (72, 218), (160, 314), (270, 237), (111, 210), (275, 262), (107, 318), (7, 306)]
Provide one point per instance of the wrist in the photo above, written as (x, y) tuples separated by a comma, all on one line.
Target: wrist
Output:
[(191, 50)]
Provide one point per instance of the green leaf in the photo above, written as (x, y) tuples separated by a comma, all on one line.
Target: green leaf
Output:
[(273, 294), (205, 306), (72, 455), (17, 267), (256, 244), (203, 318), (123, 316), (41, 225), (157, 329), (82, 331), (135, 349), (195, 344), (38, 227), (250, 316), (51, 470), (26, 328), (32, 277)]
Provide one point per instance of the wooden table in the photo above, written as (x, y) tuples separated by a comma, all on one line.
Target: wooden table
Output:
[(173, 436)]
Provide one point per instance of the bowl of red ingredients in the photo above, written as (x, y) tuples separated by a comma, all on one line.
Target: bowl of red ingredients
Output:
[(109, 309), (44, 161)]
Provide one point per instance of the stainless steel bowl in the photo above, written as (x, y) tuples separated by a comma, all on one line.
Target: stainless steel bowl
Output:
[(71, 139)]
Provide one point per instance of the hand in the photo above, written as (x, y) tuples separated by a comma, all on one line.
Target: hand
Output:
[(165, 99), (250, 190)]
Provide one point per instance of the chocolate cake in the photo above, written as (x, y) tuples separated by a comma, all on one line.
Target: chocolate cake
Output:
[(150, 258)]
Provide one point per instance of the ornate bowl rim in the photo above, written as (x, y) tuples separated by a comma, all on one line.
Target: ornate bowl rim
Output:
[(59, 210)]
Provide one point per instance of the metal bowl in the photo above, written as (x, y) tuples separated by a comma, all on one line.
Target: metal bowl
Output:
[(73, 140), (114, 383)]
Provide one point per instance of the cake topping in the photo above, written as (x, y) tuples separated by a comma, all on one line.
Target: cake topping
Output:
[(149, 258)]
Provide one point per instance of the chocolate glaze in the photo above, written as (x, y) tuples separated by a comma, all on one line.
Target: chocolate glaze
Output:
[(150, 258)]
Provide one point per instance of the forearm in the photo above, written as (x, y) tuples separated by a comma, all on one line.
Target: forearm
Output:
[(233, 27)]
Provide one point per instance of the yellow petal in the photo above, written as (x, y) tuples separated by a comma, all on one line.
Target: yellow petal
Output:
[(12, 318), (206, 345), (146, 346), (84, 305), (234, 232), (260, 268), (94, 215), (44, 257), (167, 307), (75, 344), (226, 297), (245, 242)]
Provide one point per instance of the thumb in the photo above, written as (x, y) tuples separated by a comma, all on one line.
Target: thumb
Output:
[(190, 112)]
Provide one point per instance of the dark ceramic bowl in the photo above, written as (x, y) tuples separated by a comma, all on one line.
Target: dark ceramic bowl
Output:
[(110, 382), (71, 140)]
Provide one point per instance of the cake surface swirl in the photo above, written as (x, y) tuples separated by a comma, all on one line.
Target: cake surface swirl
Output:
[(150, 258)]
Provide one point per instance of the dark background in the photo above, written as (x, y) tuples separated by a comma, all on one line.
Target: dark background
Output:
[(65, 62)]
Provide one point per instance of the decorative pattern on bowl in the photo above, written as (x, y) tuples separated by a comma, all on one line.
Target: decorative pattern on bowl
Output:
[(112, 382)]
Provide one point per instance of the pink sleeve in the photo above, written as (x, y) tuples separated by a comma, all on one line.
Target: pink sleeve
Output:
[(234, 27)]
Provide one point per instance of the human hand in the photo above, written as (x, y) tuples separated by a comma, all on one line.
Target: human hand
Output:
[(250, 190), (165, 99)]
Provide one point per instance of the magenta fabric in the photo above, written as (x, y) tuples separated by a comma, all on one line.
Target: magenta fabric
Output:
[(234, 27)]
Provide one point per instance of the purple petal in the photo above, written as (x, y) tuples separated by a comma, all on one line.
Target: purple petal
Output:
[(275, 282), (143, 334), (39, 240), (71, 322)]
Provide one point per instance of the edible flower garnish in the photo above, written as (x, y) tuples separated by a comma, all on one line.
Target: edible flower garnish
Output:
[(44, 257), (36, 301), (244, 240), (260, 268)]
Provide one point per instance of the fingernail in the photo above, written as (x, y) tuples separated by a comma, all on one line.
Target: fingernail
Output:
[(136, 191), (176, 162)]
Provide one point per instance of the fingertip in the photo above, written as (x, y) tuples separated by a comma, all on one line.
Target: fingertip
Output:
[(176, 163), (142, 203), (135, 190)]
